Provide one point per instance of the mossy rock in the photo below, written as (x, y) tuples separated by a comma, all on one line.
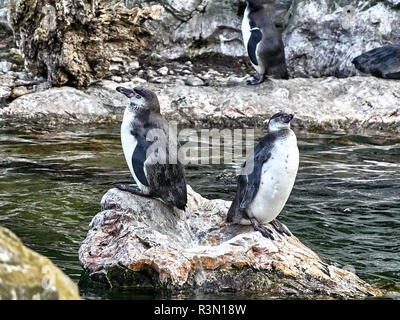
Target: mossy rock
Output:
[(27, 275)]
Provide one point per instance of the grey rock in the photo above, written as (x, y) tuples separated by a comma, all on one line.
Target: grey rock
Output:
[(5, 66), (163, 71), (137, 242), (323, 38), (194, 81)]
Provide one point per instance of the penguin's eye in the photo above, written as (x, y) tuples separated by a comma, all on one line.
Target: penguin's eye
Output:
[(138, 97)]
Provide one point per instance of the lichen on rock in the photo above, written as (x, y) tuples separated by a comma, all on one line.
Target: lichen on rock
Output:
[(139, 242)]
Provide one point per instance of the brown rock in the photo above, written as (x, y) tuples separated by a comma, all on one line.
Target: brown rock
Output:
[(139, 242), (77, 42)]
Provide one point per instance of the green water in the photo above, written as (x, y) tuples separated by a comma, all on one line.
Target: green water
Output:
[(345, 204)]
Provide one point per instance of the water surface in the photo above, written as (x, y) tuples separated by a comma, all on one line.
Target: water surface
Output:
[(345, 204)]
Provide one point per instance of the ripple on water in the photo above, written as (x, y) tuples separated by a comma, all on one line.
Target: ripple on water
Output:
[(344, 204)]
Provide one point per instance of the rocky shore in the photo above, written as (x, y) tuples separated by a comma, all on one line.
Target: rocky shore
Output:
[(137, 242), (330, 104)]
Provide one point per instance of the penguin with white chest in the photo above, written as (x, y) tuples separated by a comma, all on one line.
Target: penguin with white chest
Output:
[(146, 144), (267, 178), (263, 43)]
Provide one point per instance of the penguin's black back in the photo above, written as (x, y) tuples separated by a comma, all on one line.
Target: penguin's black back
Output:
[(383, 62)]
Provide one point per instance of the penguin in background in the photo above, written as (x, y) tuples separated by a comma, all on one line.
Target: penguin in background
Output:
[(263, 43), (267, 179), (382, 62), (146, 145)]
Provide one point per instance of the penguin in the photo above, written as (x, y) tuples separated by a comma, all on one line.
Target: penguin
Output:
[(267, 178), (383, 62), (263, 43), (145, 139)]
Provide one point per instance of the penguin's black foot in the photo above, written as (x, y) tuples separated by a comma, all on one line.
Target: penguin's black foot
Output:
[(280, 228), (131, 189), (264, 230)]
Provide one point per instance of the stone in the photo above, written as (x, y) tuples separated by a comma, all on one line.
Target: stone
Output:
[(139, 242), (5, 93), (163, 71), (19, 91), (323, 38), (78, 42), (27, 275), (5, 66), (194, 81), (56, 106)]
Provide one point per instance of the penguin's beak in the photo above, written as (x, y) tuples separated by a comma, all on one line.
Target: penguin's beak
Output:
[(287, 118), (128, 92)]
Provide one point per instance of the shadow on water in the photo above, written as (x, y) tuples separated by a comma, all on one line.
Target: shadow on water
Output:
[(345, 203)]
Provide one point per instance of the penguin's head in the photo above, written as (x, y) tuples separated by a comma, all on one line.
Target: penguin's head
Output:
[(141, 99), (279, 121)]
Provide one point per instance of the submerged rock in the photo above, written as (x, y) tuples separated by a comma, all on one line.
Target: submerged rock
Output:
[(138, 242), (26, 275)]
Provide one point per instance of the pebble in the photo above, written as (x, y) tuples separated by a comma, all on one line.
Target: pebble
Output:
[(5, 66), (19, 91), (194, 81), (163, 71)]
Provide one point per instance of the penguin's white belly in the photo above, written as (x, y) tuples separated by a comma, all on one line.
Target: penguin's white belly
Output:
[(246, 33), (277, 179), (129, 143)]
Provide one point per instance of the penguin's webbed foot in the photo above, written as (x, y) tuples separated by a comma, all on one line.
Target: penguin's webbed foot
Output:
[(280, 228), (131, 189), (263, 230), (257, 80)]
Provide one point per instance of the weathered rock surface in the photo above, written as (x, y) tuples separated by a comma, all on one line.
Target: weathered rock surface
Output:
[(323, 37), (26, 275), (139, 242), (188, 28), (330, 104), (57, 105), (76, 42)]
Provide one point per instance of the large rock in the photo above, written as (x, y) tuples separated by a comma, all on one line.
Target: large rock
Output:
[(139, 242), (323, 37), (189, 28), (55, 106), (76, 42), (26, 275), (353, 104)]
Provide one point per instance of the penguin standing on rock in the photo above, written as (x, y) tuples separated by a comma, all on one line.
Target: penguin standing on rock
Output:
[(267, 178), (146, 144), (263, 43)]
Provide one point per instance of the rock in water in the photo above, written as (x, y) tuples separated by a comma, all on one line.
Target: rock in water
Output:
[(25, 274), (140, 243), (76, 42)]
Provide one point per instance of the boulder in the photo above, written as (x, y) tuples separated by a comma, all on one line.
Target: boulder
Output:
[(55, 106), (194, 27), (77, 42), (27, 275), (137, 242), (323, 38)]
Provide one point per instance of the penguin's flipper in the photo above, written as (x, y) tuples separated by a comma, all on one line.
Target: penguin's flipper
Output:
[(235, 213), (253, 179), (255, 38), (139, 158), (395, 75)]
